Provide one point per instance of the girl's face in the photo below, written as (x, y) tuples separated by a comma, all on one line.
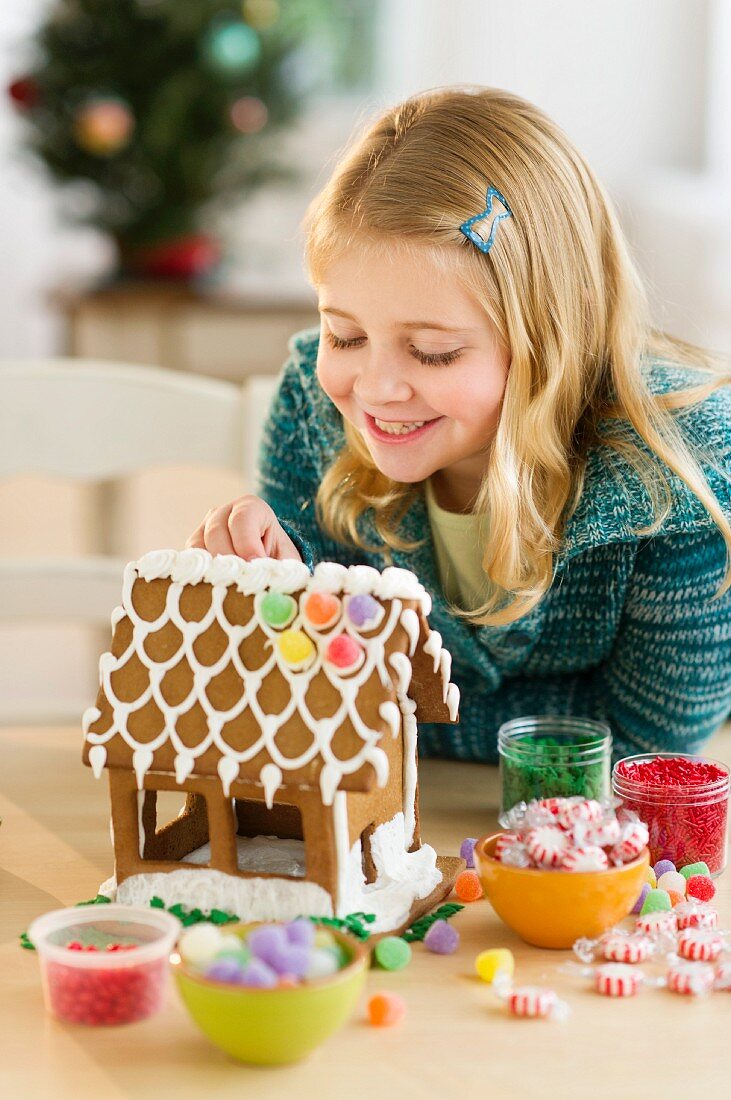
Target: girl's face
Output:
[(413, 362)]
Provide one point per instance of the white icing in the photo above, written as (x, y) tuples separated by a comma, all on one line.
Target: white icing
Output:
[(271, 778), (445, 668), (391, 714), (433, 647), (141, 760), (330, 576), (410, 771), (401, 665), (410, 623), (117, 615), (228, 770), (184, 763), (453, 702), (97, 759), (251, 898)]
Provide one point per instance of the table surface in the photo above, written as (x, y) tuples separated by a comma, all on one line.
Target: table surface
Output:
[(456, 1039)]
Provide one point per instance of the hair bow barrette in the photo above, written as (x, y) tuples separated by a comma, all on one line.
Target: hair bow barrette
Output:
[(492, 215)]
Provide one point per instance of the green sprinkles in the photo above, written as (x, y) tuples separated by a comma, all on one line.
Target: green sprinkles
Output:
[(542, 766), (416, 932)]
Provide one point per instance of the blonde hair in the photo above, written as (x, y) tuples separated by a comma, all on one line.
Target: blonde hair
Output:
[(566, 299)]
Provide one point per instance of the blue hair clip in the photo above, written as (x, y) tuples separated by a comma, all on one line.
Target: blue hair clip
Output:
[(485, 243)]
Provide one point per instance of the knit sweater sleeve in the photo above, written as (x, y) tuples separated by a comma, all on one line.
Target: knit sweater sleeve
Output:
[(290, 469), (667, 682)]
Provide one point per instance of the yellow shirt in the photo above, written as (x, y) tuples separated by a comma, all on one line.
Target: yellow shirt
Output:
[(459, 542)]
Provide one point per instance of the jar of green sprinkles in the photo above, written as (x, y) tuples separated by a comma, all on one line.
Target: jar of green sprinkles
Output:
[(546, 756)]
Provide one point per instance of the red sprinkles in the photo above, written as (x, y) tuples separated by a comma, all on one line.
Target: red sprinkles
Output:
[(683, 800)]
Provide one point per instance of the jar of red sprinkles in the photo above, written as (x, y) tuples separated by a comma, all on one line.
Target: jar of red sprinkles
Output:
[(683, 800)]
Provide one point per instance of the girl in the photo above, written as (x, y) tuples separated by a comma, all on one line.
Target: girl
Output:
[(487, 404)]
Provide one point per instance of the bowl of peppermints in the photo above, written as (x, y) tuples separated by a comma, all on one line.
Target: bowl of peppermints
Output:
[(563, 868), (269, 994)]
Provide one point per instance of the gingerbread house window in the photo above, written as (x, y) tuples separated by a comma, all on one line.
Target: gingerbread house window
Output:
[(171, 828), (269, 840)]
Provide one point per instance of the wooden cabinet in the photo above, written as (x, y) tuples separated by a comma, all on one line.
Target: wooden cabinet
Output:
[(176, 327)]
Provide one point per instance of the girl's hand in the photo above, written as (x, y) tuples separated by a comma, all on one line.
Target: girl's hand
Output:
[(247, 527)]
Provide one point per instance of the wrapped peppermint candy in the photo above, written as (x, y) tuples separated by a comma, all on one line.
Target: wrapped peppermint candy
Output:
[(695, 914), (700, 944), (617, 980), (692, 979), (529, 1001)]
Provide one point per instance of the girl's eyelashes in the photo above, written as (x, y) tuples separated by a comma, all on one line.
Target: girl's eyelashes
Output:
[(441, 359)]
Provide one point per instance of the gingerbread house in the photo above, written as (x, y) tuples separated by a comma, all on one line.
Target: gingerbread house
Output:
[(283, 706)]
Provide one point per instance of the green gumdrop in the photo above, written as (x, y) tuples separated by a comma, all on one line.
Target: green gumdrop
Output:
[(278, 609), (392, 953), (242, 955), (656, 901), (694, 869)]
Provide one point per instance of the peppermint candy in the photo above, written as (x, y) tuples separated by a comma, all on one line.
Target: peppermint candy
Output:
[(547, 846), (617, 980), (633, 840), (585, 811), (700, 945), (690, 978), (692, 914), (664, 923), (634, 948), (588, 858), (531, 1000)]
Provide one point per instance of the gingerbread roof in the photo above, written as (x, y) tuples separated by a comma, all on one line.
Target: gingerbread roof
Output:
[(264, 672)]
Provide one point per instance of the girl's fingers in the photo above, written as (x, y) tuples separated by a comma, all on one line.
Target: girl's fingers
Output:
[(216, 535), (283, 548), (196, 541)]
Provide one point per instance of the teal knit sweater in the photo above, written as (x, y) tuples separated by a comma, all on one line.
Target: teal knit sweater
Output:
[(627, 632)]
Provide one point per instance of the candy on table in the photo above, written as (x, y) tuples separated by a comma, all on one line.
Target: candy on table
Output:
[(675, 899), (662, 923), (651, 877), (392, 953), (385, 1009), (616, 979), (588, 858), (691, 869), (690, 978), (672, 881), (637, 907), (700, 944), (723, 976), (467, 850), (632, 948), (656, 901), (695, 914), (468, 886), (442, 938), (493, 961), (100, 996), (547, 845), (700, 887), (528, 1000), (663, 866)]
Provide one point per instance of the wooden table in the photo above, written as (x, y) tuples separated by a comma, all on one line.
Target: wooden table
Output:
[(456, 1040)]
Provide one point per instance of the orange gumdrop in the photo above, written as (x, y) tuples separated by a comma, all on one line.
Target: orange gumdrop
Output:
[(322, 608), (468, 886), (385, 1010), (675, 897)]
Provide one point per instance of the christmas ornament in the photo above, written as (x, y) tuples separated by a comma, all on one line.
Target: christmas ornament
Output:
[(24, 92), (232, 48), (249, 114), (261, 14), (103, 127)]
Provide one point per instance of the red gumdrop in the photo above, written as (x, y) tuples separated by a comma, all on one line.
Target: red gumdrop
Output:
[(343, 651), (700, 887)]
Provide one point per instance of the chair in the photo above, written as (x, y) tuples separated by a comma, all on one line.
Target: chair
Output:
[(93, 422)]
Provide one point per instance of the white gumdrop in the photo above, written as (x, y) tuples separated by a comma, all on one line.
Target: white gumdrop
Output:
[(200, 944), (323, 963)]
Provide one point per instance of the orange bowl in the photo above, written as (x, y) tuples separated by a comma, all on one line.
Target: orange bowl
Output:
[(555, 908)]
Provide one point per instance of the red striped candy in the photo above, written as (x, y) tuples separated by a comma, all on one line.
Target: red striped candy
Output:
[(632, 842), (618, 980), (547, 845), (657, 923), (690, 978), (531, 1000), (589, 858), (627, 949), (692, 914), (700, 944)]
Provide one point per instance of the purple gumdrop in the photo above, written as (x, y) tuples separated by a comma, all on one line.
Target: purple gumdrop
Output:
[(295, 960), (467, 850), (301, 932), (441, 938), (641, 899), (364, 612), (258, 975), (227, 970), (267, 941), (662, 866)]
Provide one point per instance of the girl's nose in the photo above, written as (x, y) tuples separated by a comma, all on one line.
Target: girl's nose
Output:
[(380, 382)]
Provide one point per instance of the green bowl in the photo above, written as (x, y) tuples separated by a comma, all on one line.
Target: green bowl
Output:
[(272, 1027)]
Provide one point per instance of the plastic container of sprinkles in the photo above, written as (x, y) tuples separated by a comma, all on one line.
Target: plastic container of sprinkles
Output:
[(544, 756), (683, 800)]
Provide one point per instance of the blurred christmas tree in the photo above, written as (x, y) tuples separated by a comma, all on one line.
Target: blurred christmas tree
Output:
[(165, 106)]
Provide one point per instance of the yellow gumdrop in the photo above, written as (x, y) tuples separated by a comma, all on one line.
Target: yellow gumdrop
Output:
[(651, 877), (296, 648), (489, 962), (323, 938)]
